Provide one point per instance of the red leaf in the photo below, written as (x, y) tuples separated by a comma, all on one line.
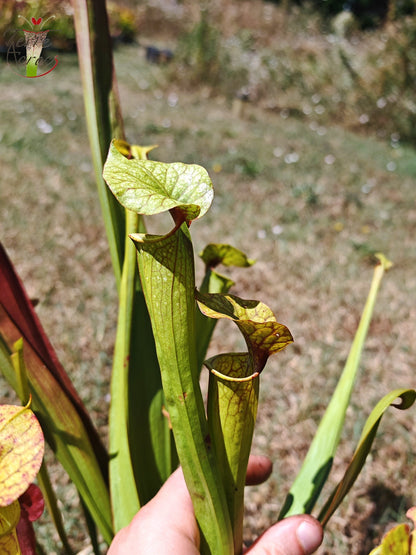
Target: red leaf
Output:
[(18, 319), (32, 502), (26, 536), (31, 508)]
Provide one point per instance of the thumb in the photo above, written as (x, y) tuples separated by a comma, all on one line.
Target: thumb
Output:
[(295, 535)]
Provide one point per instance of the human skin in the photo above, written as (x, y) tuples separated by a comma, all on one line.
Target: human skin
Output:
[(167, 525)]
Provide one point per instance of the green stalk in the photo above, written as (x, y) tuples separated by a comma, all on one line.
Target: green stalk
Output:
[(124, 496), (142, 452), (139, 384), (96, 66), (407, 398), (52, 506), (23, 392)]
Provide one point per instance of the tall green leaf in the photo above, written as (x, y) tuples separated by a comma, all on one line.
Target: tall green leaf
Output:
[(139, 434), (100, 94), (124, 495), (135, 381), (318, 461), (141, 444)]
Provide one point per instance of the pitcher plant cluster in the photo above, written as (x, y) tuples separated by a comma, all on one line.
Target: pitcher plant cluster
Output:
[(158, 417)]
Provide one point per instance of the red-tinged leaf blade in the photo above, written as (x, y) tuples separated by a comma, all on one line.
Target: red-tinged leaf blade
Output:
[(17, 304), (21, 451), (63, 427), (407, 398), (19, 309)]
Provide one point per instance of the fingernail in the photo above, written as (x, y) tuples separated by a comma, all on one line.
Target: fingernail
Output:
[(309, 536)]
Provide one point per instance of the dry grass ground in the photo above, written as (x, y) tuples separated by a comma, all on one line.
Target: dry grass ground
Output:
[(310, 201)]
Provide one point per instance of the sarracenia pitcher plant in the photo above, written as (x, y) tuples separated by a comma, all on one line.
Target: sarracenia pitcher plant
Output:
[(213, 448), (213, 452), (158, 416)]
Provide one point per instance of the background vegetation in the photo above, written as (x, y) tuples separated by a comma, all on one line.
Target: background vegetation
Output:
[(307, 127)]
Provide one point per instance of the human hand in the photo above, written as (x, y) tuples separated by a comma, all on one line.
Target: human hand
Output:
[(167, 525)]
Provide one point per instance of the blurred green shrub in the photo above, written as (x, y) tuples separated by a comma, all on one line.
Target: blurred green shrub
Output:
[(360, 79), (200, 50), (383, 86)]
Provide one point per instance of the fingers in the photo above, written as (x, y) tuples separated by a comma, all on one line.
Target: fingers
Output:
[(296, 535), (258, 470), (165, 525)]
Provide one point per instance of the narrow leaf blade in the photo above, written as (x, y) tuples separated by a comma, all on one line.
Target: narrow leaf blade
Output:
[(318, 461), (99, 87), (407, 398)]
